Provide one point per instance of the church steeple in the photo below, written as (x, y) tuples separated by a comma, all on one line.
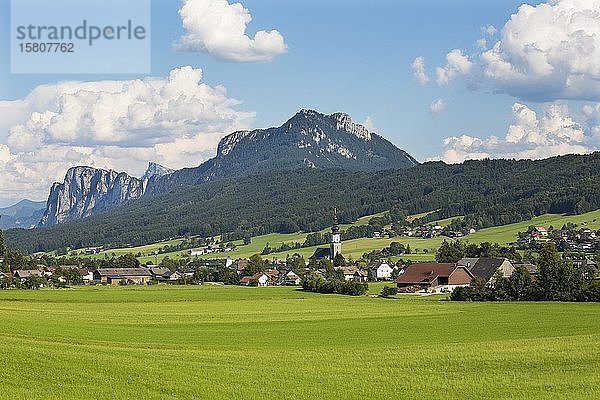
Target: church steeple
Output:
[(336, 241), (335, 228)]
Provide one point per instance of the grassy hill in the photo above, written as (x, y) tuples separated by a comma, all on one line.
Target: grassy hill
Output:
[(355, 248), (165, 342)]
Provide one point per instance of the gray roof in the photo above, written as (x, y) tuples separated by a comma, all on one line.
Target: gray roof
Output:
[(26, 273), (322, 252), (159, 270), (468, 262), (486, 267), (531, 268), (116, 272)]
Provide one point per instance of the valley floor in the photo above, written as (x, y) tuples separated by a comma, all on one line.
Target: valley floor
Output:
[(164, 342)]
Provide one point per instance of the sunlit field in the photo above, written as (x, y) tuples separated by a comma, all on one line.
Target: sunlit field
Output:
[(164, 342)]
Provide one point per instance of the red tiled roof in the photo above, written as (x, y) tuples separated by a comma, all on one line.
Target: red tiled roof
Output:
[(426, 272)]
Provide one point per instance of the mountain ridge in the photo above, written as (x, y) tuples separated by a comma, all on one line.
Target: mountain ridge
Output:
[(307, 140), (23, 214)]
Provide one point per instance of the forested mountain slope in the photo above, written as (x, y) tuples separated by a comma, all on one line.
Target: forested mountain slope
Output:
[(487, 192)]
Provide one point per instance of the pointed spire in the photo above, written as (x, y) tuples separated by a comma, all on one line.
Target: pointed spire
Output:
[(335, 228)]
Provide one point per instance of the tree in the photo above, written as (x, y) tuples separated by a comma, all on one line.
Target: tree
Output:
[(2, 247), (127, 261), (450, 252), (255, 265), (267, 249), (297, 262), (520, 284), (169, 263), (480, 291), (550, 284), (389, 291), (339, 260)]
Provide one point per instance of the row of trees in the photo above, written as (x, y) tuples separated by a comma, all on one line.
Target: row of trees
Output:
[(453, 251), (557, 280), (315, 283)]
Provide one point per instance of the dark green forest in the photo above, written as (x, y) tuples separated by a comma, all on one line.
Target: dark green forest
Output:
[(487, 192)]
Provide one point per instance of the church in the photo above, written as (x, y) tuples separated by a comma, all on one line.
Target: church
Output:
[(335, 246)]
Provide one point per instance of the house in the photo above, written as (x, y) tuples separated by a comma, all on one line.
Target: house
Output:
[(292, 279), (261, 278), (588, 264), (86, 274), (434, 277), (354, 274), (487, 268), (531, 268), (381, 270), (114, 276), (539, 233), (158, 271), (360, 276), (5, 275), (27, 273), (241, 266), (195, 253), (170, 276)]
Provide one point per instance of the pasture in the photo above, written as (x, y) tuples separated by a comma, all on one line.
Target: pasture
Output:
[(162, 342)]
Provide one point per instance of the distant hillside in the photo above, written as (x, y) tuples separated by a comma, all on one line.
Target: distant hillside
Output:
[(487, 193), (24, 214)]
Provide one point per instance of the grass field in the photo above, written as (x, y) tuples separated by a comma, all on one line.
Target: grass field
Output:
[(280, 343), (356, 248)]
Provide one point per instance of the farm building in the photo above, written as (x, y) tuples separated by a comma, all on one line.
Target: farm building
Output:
[(115, 276), (292, 279), (381, 270), (434, 276), (27, 273), (487, 268), (259, 279), (354, 274)]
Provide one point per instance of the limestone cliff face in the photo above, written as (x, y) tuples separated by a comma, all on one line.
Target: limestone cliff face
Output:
[(86, 191)]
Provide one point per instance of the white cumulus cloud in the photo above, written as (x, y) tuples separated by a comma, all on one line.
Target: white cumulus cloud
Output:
[(219, 29), (437, 106), (176, 121), (531, 136), (457, 63), (546, 52), (418, 69)]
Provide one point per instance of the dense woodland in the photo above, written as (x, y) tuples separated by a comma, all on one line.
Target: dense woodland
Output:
[(487, 192)]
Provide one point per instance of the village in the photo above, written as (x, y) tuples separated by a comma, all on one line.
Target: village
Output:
[(327, 263), (568, 238)]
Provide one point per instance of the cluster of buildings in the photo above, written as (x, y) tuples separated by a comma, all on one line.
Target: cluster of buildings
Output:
[(210, 249), (445, 277), (576, 239), (432, 231)]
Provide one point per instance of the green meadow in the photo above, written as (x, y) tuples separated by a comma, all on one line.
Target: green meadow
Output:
[(425, 248), (206, 342)]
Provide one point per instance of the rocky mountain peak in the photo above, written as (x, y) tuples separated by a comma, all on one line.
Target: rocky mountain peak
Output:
[(88, 190), (155, 169)]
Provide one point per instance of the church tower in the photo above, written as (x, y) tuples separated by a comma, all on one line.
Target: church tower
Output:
[(336, 241)]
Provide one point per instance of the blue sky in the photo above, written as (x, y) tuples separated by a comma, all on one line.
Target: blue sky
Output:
[(352, 56)]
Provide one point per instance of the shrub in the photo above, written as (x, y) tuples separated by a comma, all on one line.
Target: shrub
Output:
[(389, 291)]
